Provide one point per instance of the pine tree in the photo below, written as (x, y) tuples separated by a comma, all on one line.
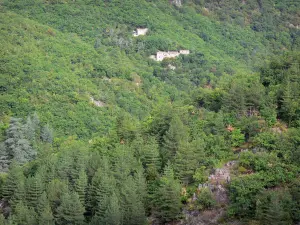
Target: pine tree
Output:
[(71, 210), (34, 187), (151, 154), (275, 214), (141, 185), (47, 134), (4, 158), (290, 105), (103, 186), (177, 133), (131, 204), (81, 186), (14, 178), (168, 204), (46, 216), (24, 215), (35, 121), (29, 129), (42, 203), (2, 219), (55, 189), (235, 100), (112, 215), (19, 194), (185, 162), (17, 146)]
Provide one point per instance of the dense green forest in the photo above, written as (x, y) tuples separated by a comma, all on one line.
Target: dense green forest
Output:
[(94, 131)]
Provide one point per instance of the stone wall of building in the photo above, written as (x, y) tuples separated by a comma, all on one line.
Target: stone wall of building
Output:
[(160, 56)]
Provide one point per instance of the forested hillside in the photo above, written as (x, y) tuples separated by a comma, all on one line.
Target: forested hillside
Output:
[(95, 131)]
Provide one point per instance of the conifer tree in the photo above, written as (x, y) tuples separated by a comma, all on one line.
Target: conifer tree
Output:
[(42, 203), (14, 178), (131, 204), (19, 194), (46, 217), (71, 210), (47, 134), (290, 104), (34, 189), (4, 158), (113, 215), (29, 129), (55, 189), (16, 144), (275, 214), (2, 219), (35, 121), (151, 154), (168, 204), (81, 186), (185, 162), (24, 215), (141, 185), (103, 186), (177, 132)]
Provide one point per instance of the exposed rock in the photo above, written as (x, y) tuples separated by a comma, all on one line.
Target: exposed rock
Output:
[(178, 3), (171, 67), (97, 103)]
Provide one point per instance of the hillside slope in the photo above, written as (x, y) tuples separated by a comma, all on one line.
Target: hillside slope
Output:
[(86, 41)]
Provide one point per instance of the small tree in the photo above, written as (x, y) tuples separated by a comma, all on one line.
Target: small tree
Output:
[(237, 138)]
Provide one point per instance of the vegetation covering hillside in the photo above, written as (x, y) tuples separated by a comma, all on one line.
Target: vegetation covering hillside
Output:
[(93, 131)]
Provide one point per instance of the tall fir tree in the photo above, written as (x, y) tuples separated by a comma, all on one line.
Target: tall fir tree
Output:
[(46, 217), (55, 189), (34, 189), (113, 215), (47, 134), (29, 129), (42, 203), (71, 211), (177, 133), (168, 204), (4, 158), (151, 157), (185, 162), (24, 215), (19, 194), (13, 180), (81, 186), (103, 186), (133, 211), (18, 148)]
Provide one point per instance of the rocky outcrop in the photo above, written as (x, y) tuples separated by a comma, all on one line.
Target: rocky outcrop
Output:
[(178, 3)]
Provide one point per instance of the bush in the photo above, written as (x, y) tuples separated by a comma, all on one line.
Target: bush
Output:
[(205, 199)]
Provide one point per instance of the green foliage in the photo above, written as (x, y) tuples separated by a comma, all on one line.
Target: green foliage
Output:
[(116, 130), (14, 179), (176, 134), (237, 138), (185, 162), (205, 199), (168, 204), (274, 208), (200, 175), (71, 210), (24, 215), (46, 216), (34, 189)]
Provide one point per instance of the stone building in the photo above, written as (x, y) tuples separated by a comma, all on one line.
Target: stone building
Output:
[(160, 56), (140, 31)]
